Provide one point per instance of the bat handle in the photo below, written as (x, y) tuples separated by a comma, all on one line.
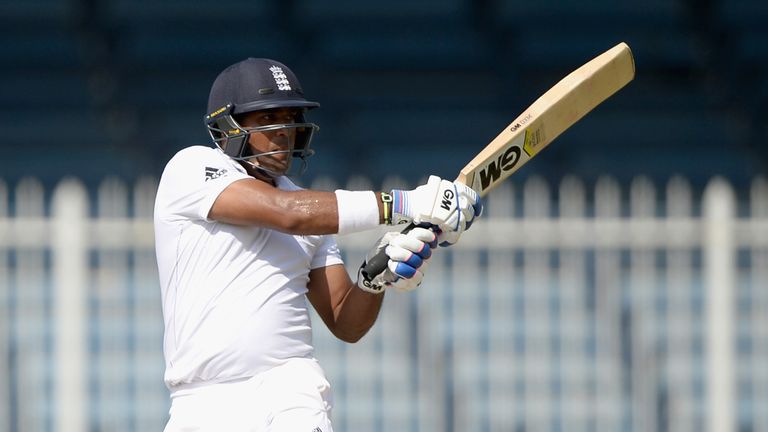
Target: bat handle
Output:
[(378, 263)]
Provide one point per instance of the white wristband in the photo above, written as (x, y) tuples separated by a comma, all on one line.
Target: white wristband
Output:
[(358, 211)]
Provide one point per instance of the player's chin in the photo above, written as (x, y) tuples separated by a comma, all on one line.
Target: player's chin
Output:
[(277, 164)]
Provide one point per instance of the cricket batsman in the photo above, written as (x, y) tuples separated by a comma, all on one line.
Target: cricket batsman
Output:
[(242, 252)]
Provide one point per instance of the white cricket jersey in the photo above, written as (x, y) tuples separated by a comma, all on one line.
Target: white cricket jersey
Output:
[(233, 296)]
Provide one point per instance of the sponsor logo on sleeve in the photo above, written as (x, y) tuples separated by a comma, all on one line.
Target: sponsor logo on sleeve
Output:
[(214, 173)]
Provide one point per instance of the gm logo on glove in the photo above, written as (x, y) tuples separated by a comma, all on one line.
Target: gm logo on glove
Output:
[(447, 199)]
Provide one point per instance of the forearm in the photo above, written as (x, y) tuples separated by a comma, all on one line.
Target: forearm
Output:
[(312, 212), (303, 212), (294, 212), (356, 314)]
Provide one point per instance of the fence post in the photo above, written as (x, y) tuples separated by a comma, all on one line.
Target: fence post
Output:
[(680, 316), (720, 262), (5, 372), (641, 294), (576, 324), (505, 405), (29, 286), (537, 279), (759, 267), (69, 250), (608, 412)]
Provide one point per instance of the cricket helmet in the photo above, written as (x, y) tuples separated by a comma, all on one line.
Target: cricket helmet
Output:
[(257, 84)]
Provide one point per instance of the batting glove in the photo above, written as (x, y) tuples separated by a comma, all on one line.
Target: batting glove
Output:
[(408, 256), (451, 206)]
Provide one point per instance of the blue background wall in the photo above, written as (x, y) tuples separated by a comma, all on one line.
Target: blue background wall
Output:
[(94, 87)]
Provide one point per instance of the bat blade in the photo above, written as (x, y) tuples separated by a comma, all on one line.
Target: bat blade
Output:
[(550, 115)]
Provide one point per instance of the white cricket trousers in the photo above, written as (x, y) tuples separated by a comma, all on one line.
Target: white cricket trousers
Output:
[(293, 397)]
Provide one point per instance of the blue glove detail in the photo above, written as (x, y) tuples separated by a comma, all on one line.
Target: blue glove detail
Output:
[(414, 261), (478, 207), (406, 270)]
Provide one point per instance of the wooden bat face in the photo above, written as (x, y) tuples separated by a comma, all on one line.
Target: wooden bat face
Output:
[(549, 116)]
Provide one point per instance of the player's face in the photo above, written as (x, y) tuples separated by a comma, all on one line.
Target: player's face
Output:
[(275, 140)]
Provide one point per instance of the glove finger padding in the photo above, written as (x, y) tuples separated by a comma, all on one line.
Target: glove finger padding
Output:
[(410, 284), (404, 285), (407, 254)]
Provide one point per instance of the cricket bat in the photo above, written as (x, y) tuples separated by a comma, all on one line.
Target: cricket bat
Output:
[(549, 116)]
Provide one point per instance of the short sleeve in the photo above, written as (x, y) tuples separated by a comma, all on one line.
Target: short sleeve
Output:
[(192, 180), (327, 254)]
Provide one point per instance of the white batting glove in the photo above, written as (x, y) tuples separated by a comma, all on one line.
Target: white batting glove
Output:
[(451, 206), (408, 257)]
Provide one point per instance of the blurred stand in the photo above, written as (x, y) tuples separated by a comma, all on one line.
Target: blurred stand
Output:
[(98, 87)]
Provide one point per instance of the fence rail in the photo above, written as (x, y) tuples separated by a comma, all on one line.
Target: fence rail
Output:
[(636, 311)]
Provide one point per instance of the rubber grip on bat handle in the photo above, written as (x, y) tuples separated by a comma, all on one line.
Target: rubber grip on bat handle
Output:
[(378, 263)]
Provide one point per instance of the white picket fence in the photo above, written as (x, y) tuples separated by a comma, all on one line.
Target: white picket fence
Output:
[(579, 310)]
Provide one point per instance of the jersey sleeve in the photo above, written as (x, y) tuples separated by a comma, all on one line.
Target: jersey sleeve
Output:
[(192, 181), (327, 254)]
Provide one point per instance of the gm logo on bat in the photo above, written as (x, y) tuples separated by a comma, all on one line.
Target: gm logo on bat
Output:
[(506, 161), (510, 158)]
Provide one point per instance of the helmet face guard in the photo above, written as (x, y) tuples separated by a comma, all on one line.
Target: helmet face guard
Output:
[(232, 139)]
